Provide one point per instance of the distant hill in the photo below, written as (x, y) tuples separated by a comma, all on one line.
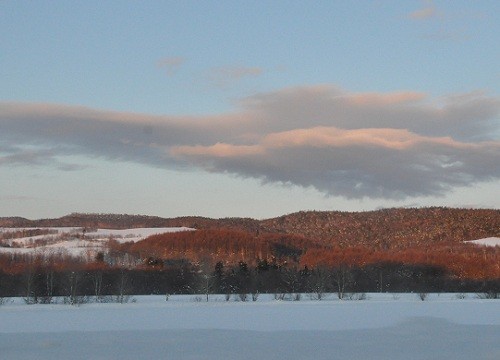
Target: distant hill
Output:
[(125, 221), (390, 227), (387, 228)]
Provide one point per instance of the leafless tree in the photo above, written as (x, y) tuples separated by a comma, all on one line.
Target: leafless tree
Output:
[(489, 295), (97, 284), (30, 292), (318, 283), (49, 287), (342, 279), (72, 286), (206, 282), (292, 280), (123, 285), (2, 299)]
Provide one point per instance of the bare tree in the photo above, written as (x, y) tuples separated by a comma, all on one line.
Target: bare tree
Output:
[(49, 286), (123, 286), (292, 280), (491, 294), (318, 283), (206, 282), (342, 279), (2, 299), (30, 288), (73, 283), (97, 284)]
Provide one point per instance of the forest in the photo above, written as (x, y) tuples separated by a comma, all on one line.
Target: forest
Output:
[(395, 250)]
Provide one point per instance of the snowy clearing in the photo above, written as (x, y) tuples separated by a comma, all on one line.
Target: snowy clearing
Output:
[(491, 241), (73, 241), (382, 327)]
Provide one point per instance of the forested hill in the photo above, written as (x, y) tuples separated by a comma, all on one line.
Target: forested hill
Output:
[(379, 228), (124, 221), (390, 227)]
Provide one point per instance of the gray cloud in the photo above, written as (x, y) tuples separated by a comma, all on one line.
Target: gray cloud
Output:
[(171, 64), (27, 157), (378, 145), (224, 77), (36, 156), (378, 163), (466, 116)]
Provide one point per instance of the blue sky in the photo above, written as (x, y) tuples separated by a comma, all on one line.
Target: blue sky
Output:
[(254, 108)]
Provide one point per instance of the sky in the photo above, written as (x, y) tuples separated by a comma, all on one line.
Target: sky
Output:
[(247, 108)]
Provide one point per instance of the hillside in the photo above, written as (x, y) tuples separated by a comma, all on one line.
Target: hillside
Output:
[(384, 250), (125, 221), (388, 228)]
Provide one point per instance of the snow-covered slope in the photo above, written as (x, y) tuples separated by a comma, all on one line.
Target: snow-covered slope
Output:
[(491, 241), (73, 241)]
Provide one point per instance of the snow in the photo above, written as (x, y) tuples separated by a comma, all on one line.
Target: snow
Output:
[(382, 327), (491, 241), (134, 235), (64, 239)]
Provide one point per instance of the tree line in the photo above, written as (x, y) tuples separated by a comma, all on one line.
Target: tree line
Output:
[(229, 262)]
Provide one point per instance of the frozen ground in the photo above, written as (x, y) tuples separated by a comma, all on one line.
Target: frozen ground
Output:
[(382, 327)]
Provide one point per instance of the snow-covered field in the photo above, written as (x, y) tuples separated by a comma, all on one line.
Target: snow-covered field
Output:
[(382, 327), (491, 241), (70, 240)]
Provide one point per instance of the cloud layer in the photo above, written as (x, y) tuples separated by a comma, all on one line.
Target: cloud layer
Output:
[(377, 145)]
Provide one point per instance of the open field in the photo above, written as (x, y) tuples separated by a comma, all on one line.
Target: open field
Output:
[(384, 326)]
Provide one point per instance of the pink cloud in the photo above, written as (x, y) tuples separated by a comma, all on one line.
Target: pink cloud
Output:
[(324, 137), (427, 12), (386, 99), (219, 150)]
